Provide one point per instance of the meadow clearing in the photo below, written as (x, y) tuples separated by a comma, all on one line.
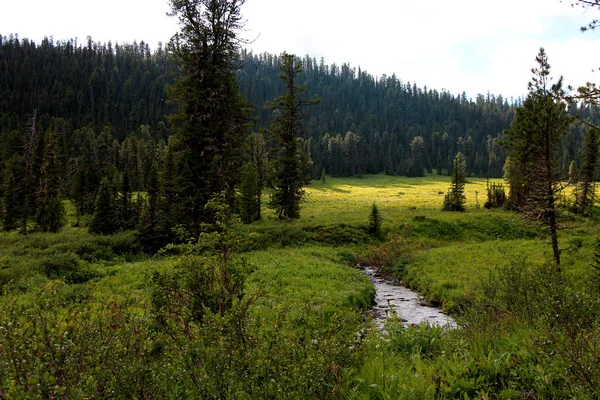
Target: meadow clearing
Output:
[(304, 305)]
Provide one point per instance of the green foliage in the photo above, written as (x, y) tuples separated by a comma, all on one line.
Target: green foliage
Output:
[(248, 200), (106, 219), (535, 144), (73, 255), (455, 199), (496, 195), (586, 189), (10, 209), (375, 222), (422, 340), (291, 161), (210, 123), (50, 210)]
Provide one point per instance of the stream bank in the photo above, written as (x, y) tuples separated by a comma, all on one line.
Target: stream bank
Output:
[(407, 304)]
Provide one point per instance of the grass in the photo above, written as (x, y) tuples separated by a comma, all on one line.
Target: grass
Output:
[(307, 288)]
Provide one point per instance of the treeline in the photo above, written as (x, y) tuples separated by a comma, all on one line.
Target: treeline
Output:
[(372, 125), (102, 110), (87, 85)]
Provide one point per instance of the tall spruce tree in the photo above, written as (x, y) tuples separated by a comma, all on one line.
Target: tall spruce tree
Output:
[(11, 209), (248, 203), (585, 191), (211, 122), (455, 198), (259, 159), (50, 210), (105, 220), (291, 161), (535, 148), (27, 186)]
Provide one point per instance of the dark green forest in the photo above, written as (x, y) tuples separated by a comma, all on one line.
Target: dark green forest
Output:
[(106, 107)]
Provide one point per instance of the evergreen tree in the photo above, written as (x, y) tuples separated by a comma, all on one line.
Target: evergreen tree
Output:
[(496, 195), (105, 220), (151, 233), (585, 191), (27, 188), (455, 198), (535, 145), (210, 124), (11, 209), (573, 173), (258, 156), (417, 146), (291, 163), (126, 207), (167, 201), (375, 222), (50, 210), (248, 203)]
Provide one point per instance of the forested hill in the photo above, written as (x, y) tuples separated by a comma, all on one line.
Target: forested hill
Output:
[(362, 125), (385, 115)]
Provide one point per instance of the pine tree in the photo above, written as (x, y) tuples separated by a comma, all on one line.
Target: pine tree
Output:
[(11, 209), (535, 145), (291, 162), (210, 125), (167, 200), (596, 262), (50, 210), (585, 192), (573, 173), (26, 187), (105, 220), (151, 233), (417, 146), (126, 207), (455, 198), (375, 222), (248, 199), (260, 161)]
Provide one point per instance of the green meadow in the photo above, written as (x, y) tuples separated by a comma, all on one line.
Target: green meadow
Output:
[(71, 299)]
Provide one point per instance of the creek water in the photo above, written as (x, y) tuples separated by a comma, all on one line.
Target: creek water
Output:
[(407, 304)]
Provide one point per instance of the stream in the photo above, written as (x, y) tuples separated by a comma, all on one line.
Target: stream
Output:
[(409, 306)]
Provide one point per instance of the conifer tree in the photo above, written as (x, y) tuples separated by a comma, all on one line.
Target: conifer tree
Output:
[(105, 220), (11, 203), (260, 161), (535, 146), (210, 125), (573, 173), (26, 189), (248, 203), (126, 207), (585, 191), (151, 233), (50, 210), (292, 161), (375, 222), (167, 200), (455, 198)]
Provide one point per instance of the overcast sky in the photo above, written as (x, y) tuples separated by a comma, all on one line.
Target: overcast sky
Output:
[(462, 45)]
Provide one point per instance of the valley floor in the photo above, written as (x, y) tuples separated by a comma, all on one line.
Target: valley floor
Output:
[(90, 316)]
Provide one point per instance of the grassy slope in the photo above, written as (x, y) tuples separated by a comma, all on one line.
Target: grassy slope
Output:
[(454, 252)]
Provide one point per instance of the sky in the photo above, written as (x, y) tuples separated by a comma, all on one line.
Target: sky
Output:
[(476, 46)]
